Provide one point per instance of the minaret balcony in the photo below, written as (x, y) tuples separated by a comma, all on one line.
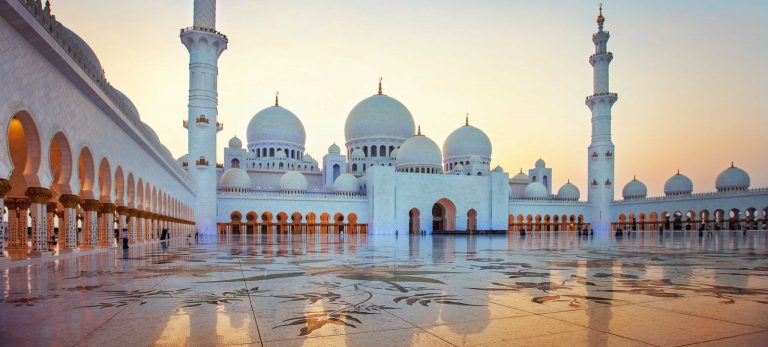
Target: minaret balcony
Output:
[(201, 162), (208, 30), (219, 126), (600, 57), (597, 98)]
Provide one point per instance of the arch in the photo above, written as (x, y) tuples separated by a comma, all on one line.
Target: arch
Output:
[(131, 191), (472, 219), (282, 218), (235, 163), (236, 217), (704, 215), (266, 217), (296, 218), (311, 218), (325, 218), (443, 215), (140, 194), (338, 218), (414, 221), (86, 173), (734, 213), (336, 171), (60, 160), (352, 221), (251, 217), (25, 151), (119, 186), (105, 180)]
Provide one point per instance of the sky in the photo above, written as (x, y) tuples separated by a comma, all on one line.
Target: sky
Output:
[(691, 75)]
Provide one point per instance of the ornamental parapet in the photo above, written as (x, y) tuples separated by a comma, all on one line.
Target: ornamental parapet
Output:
[(276, 194), (90, 204), (38, 195)]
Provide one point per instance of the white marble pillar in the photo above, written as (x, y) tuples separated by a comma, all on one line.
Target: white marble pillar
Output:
[(17, 222), (140, 224), (90, 223), (5, 187), (107, 225), (38, 198), (51, 211), (68, 222), (122, 220), (131, 225)]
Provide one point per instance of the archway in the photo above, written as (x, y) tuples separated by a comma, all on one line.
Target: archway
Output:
[(338, 221), (251, 219), (25, 150), (414, 221), (471, 219), (443, 215), (282, 221), (352, 221), (235, 219), (60, 158), (266, 221)]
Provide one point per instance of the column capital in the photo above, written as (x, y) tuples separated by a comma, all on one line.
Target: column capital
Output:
[(122, 210), (133, 212), (90, 204), (51, 207), (5, 187), (38, 195), (69, 200), (108, 207)]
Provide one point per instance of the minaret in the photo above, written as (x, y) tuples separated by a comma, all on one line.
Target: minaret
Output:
[(205, 45), (601, 152)]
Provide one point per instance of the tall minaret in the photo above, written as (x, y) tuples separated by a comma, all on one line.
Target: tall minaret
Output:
[(601, 152), (205, 45)]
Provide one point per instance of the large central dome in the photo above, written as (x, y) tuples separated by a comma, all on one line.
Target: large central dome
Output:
[(379, 116), (276, 124)]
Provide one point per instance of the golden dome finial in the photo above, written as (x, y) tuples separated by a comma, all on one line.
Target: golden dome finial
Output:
[(277, 101), (600, 18), (380, 85), (419, 131), (732, 164), (466, 119)]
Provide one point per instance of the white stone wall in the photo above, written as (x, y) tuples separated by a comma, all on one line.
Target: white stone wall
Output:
[(725, 201), (302, 203), (34, 84)]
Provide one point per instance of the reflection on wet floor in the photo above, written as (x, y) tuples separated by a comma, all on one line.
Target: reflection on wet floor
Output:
[(668, 288)]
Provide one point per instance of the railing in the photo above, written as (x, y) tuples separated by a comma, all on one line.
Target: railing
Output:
[(597, 95), (201, 119), (201, 162), (276, 194), (729, 193), (549, 199), (208, 30)]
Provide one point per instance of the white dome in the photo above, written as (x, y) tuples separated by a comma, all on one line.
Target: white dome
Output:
[(732, 178), (235, 142), (308, 159), (520, 177), (293, 181), (334, 149), (393, 154), (280, 154), (540, 164), (86, 52), (458, 166), (358, 153), (634, 189), (420, 151), (536, 190), (379, 116), (569, 192), (346, 183), (498, 168), (235, 178), (678, 184), (130, 108), (276, 124), (467, 141)]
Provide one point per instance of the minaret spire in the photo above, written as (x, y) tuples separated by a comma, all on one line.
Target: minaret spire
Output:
[(466, 119), (277, 100), (380, 85), (601, 154)]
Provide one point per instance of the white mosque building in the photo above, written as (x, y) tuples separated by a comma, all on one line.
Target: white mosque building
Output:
[(79, 161)]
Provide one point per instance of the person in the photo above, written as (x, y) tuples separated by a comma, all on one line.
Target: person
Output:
[(196, 235), (125, 238)]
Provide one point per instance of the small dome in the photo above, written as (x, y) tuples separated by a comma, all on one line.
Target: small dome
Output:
[(458, 166), (379, 116), (520, 177), (419, 151), (293, 181), (132, 111), (280, 154), (634, 189), (540, 164), (235, 142), (276, 124), (393, 154), (678, 184), (183, 159), (86, 52), (334, 149), (235, 178), (536, 190), (346, 183), (569, 192), (308, 159), (733, 178), (498, 168), (358, 153), (466, 141)]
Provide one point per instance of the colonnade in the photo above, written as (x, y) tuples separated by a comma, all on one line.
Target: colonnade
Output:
[(82, 223)]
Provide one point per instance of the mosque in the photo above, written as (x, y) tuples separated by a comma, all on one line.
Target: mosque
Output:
[(79, 162)]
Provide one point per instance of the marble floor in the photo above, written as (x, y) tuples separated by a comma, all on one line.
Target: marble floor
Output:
[(673, 288)]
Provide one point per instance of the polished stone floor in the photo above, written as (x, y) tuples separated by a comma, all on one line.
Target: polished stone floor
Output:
[(674, 288)]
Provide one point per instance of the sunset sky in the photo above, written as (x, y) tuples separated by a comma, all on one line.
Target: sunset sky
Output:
[(691, 76)]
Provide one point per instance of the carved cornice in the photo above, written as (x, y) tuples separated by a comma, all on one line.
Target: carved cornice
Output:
[(38, 195), (90, 204), (69, 200), (5, 187)]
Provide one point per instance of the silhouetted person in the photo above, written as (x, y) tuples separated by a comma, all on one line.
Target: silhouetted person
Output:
[(125, 238)]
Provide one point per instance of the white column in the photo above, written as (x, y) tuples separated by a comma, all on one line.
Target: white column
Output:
[(5, 187), (90, 223), (38, 198), (68, 222), (132, 225)]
